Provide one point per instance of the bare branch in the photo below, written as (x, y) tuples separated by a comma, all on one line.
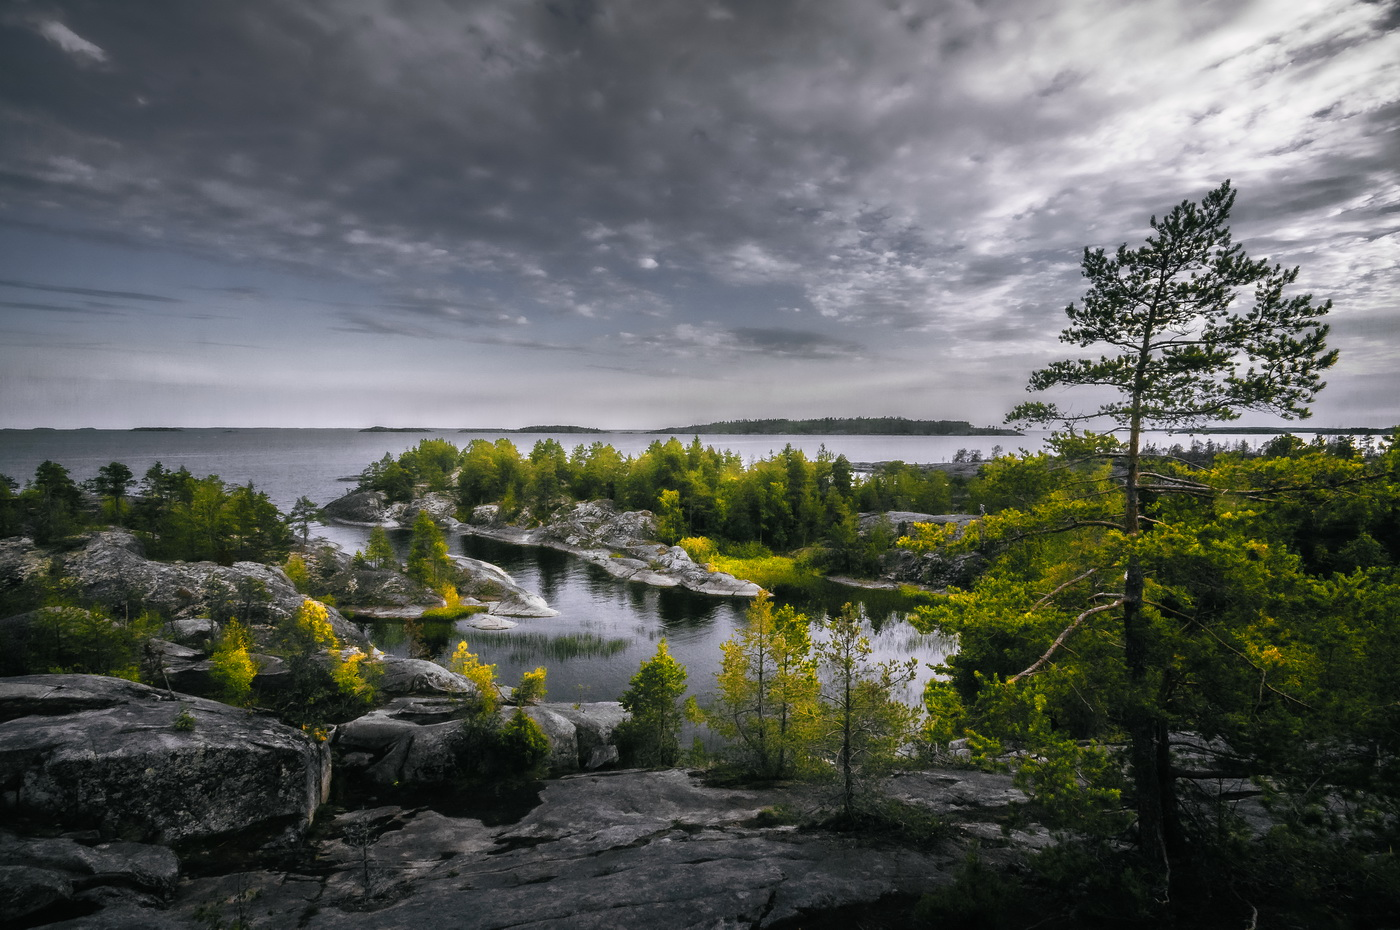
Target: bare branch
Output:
[(1038, 664), (1046, 599)]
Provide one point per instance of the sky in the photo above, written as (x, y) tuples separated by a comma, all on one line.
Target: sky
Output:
[(649, 213)]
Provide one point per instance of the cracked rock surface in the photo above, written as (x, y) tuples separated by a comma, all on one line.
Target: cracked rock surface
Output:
[(617, 851)]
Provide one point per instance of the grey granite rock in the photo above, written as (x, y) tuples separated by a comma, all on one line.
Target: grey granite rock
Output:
[(89, 752)]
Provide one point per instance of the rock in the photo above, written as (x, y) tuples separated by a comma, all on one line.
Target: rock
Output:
[(39, 874), (359, 508), (487, 622), (901, 522), (563, 737), (439, 505), (195, 629), (420, 742), (378, 593), (87, 752), (486, 515), (405, 743), (505, 598), (401, 676), (621, 543), (625, 850), (110, 569), (931, 570), (27, 889), (594, 725)]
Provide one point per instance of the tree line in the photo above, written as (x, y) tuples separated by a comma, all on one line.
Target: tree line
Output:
[(177, 515)]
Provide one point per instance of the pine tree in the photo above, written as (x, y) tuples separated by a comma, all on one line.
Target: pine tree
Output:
[(1180, 354), (652, 736)]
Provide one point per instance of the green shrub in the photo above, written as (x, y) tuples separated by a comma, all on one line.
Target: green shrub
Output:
[(453, 612)]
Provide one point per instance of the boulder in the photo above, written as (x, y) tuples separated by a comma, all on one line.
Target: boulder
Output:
[(504, 596), (419, 742), (359, 508), (439, 505), (87, 752), (402, 676), (408, 742)]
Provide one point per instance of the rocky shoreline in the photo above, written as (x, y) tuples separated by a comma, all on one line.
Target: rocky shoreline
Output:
[(622, 543)]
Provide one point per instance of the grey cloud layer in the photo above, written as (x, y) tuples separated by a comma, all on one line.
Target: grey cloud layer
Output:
[(802, 180)]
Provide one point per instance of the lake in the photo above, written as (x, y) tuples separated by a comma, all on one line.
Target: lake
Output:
[(606, 626)]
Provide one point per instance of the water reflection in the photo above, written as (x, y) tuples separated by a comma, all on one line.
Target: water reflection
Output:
[(607, 627)]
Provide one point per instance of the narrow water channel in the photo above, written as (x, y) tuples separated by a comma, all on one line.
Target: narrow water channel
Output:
[(607, 627)]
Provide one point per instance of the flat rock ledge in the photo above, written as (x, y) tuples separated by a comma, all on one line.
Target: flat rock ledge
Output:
[(609, 851), (84, 752)]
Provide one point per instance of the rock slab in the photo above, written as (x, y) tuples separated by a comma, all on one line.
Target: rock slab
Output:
[(84, 752)]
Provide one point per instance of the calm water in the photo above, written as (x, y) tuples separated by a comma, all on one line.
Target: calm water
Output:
[(605, 627)]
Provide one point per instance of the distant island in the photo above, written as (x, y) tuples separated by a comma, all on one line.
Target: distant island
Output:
[(1280, 430), (157, 429), (845, 426), (396, 429), (542, 429)]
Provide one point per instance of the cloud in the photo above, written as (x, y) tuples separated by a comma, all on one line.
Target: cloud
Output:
[(56, 308), (703, 341), (87, 291), (914, 178), (70, 41)]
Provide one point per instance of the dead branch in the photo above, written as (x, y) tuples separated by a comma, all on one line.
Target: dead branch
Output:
[(1038, 664)]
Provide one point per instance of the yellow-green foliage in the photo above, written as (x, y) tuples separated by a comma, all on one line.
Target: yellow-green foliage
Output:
[(766, 683), (455, 612), (768, 572), (531, 689), (297, 572), (231, 667), (314, 621), (523, 746), (483, 676), (700, 548), (351, 674)]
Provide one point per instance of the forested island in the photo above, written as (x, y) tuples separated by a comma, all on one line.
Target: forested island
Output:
[(842, 426)]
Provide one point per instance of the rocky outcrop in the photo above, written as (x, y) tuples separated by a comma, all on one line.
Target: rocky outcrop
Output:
[(612, 851), (87, 752), (56, 878), (359, 508), (901, 522), (112, 569), (371, 508), (493, 586), (620, 542), (933, 570), (401, 676), (420, 742)]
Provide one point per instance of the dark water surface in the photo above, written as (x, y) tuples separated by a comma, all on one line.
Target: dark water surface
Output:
[(607, 627)]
